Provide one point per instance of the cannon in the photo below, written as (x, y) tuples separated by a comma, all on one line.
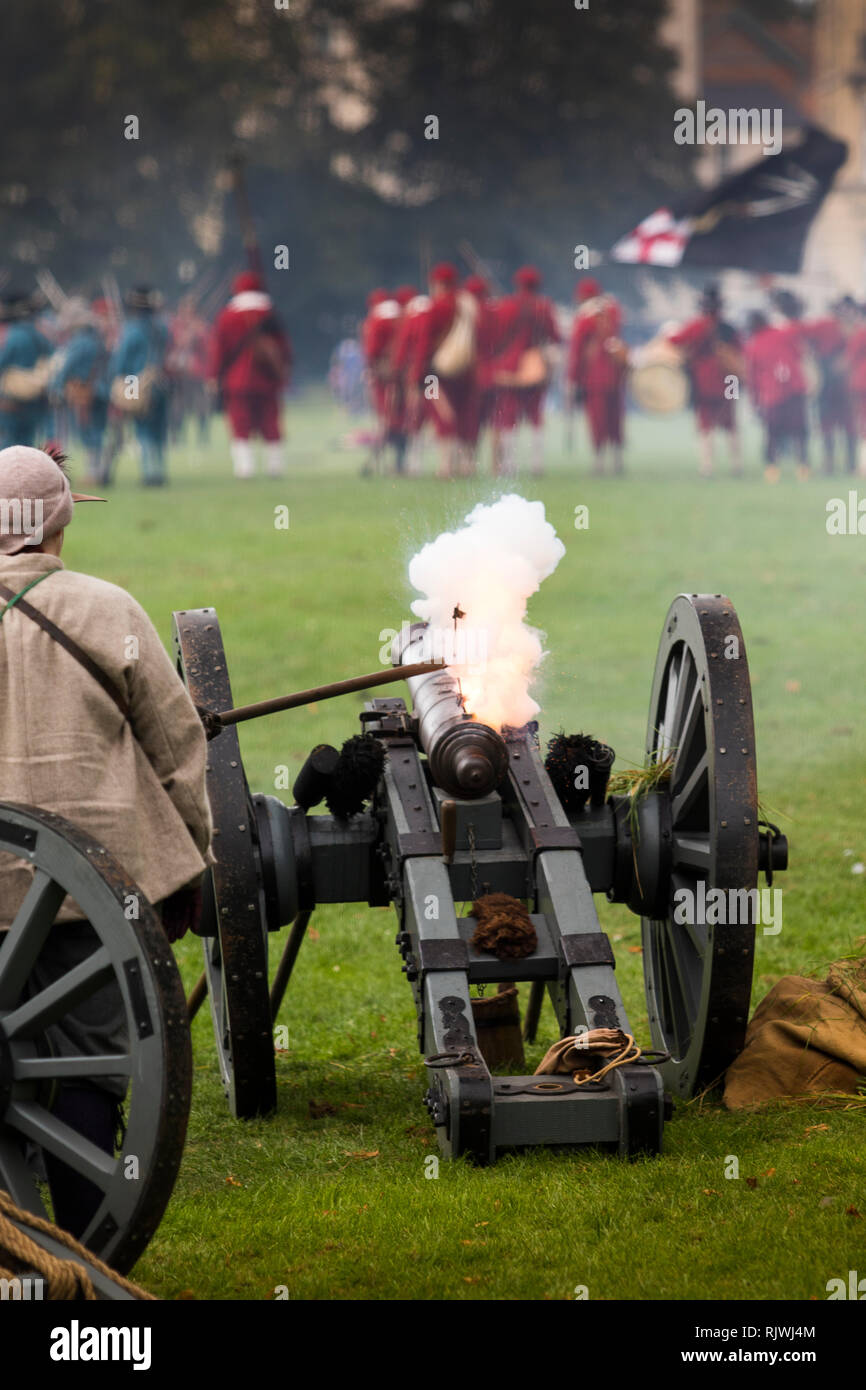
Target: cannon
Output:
[(125, 947), (456, 809)]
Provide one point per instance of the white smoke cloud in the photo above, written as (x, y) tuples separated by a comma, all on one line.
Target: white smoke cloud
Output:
[(488, 569)]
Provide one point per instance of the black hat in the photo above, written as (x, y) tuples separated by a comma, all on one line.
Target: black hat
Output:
[(711, 298), (144, 299), (16, 306), (787, 303), (847, 304)]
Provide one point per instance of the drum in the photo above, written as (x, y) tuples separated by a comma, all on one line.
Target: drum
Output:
[(661, 387), (657, 380)]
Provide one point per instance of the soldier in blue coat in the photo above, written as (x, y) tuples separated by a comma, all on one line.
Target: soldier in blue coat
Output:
[(82, 383), (139, 362), (24, 346)]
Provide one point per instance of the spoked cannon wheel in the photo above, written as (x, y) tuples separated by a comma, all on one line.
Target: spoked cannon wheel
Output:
[(699, 974), (130, 952), (235, 920)]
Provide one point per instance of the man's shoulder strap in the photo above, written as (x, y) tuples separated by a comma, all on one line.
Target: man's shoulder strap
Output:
[(64, 640)]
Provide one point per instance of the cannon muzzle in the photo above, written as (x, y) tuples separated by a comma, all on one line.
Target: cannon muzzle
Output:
[(467, 759)]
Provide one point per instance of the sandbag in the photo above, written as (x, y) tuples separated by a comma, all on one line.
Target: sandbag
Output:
[(806, 1037)]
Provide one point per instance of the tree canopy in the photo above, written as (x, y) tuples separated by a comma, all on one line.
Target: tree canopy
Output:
[(378, 134)]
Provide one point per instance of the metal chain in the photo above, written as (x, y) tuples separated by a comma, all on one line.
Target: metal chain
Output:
[(473, 879), (473, 864)]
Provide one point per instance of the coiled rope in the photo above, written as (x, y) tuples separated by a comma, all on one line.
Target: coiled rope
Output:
[(63, 1279)]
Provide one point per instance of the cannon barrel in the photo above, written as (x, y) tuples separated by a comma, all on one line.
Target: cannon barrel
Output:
[(467, 759)]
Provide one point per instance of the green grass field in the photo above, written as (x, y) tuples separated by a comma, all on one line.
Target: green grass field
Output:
[(339, 1206)]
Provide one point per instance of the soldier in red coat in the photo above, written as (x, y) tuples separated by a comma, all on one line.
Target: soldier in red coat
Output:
[(774, 359), (827, 338), (486, 338), (250, 362), (442, 367), (520, 370), (377, 330), (597, 368), (377, 339), (757, 363), (414, 408), (713, 361)]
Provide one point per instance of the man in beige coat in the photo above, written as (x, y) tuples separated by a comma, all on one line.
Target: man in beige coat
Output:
[(119, 751)]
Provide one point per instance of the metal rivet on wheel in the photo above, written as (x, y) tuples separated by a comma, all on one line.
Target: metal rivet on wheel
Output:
[(724, 825), (744, 750), (232, 763), (720, 702), (746, 820), (243, 827), (721, 750)]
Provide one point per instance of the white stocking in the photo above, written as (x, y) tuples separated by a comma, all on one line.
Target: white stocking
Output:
[(242, 458), (274, 460)]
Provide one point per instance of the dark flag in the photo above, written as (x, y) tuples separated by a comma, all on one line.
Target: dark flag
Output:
[(755, 220)]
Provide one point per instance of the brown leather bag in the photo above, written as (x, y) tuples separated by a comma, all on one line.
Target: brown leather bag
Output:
[(532, 370), (269, 355)]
